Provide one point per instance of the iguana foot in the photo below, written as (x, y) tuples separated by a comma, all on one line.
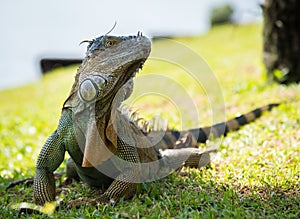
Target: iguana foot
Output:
[(187, 141)]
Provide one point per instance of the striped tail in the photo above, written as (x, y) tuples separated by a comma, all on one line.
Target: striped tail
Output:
[(190, 138)]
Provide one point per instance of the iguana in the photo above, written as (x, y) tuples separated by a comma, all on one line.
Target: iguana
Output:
[(107, 147)]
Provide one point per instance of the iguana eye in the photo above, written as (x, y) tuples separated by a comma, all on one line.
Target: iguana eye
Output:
[(87, 90), (109, 43)]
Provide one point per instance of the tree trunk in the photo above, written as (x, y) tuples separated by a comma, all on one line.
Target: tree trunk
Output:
[(281, 39)]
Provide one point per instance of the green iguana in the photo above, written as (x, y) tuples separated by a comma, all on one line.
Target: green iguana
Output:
[(107, 148)]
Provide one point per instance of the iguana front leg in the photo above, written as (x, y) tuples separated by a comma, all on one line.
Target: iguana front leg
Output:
[(122, 187), (49, 159)]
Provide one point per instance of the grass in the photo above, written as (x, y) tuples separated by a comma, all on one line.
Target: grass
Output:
[(255, 174)]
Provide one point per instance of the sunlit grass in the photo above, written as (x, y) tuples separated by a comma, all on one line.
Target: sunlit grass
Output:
[(255, 173)]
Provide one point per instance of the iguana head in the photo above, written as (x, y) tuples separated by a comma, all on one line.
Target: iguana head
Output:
[(110, 62), (104, 77)]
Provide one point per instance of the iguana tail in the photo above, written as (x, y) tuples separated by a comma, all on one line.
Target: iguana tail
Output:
[(180, 147), (190, 138)]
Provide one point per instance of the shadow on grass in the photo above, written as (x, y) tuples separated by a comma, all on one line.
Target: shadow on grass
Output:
[(176, 196)]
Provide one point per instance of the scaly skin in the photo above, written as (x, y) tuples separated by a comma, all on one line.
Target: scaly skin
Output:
[(107, 149), (110, 63)]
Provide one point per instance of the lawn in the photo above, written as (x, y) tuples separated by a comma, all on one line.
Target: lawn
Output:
[(255, 173)]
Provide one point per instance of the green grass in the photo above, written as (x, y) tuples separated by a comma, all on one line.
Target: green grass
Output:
[(255, 174)]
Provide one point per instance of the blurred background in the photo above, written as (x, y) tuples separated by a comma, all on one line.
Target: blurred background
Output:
[(39, 35)]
